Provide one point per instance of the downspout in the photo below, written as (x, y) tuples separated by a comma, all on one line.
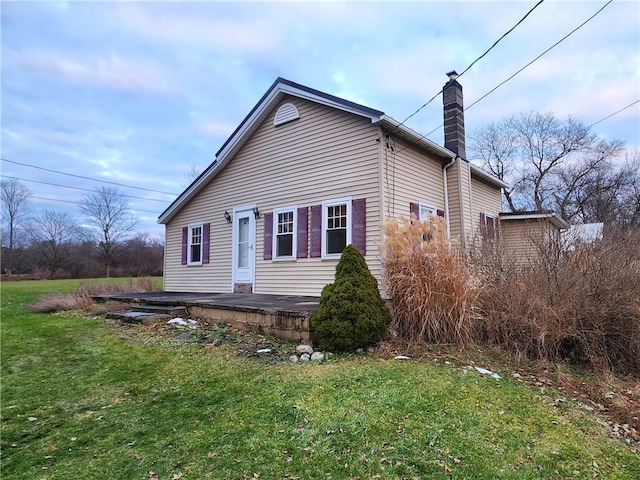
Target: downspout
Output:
[(446, 194)]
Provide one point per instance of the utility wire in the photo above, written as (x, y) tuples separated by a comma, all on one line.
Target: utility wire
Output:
[(83, 189), (614, 113), (472, 64), (76, 203), (531, 62), (87, 178)]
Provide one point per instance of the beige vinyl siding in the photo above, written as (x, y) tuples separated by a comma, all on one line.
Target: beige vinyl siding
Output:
[(453, 192), (522, 241), (410, 176), (486, 199), (464, 197), (325, 154)]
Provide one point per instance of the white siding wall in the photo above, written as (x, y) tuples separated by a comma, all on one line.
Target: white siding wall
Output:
[(324, 154)]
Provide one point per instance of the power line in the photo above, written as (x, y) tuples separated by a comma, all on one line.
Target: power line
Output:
[(76, 203), (83, 189), (471, 65), (532, 61), (614, 113), (87, 178)]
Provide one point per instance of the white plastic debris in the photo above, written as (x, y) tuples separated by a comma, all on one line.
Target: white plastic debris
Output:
[(176, 321), (192, 322), (484, 371), (264, 350), (401, 357)]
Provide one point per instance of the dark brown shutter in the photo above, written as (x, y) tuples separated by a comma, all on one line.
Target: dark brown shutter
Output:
[(316, 231), (415, 209), (206, 234), (302, 249), (483, 225), (440, 213), (185, 244), (268, 236), (359, 224)]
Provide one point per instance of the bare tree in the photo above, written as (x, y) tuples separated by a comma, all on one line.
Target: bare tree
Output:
[(52, 234), (546, 161), (15, 210), (109, 221)]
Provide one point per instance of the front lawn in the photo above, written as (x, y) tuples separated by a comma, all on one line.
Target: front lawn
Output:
[(87, 398)]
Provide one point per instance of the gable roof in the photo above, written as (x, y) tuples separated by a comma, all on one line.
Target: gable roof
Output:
[(265, 106)]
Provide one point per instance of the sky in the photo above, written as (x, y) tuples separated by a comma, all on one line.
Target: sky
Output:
[(142, 94)]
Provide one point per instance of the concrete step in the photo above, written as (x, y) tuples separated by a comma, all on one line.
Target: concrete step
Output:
[(137, 316)]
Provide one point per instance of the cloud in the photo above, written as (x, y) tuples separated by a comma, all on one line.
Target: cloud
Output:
[(111, 71), (231, 34)]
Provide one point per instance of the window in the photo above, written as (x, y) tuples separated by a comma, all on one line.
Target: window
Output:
[(489, 227), (426, 210), (284, 228), (336, 226), (195, 237)]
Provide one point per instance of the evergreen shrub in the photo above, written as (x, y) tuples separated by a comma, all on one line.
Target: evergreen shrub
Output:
[(351, 313)]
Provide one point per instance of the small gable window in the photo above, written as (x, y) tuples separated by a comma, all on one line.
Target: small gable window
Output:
[(286, 113)]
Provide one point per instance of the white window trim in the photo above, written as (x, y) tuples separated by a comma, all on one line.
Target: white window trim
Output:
[(190, 228), (274, 248), (432, 209), (329, 203), (493, 218)]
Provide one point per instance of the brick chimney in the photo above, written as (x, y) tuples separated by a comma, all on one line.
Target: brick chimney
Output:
[(453, 116)]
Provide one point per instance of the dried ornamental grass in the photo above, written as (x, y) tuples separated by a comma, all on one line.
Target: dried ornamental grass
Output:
[(431, 291)]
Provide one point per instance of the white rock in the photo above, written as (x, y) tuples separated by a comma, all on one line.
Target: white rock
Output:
[(176, 321), (305, 357), (300, 349), (317, 357), (294, 358), (401, 357), (484, 371)]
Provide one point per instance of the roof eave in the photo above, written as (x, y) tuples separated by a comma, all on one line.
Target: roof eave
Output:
[(556, 219), (413, 136), (478, 172)]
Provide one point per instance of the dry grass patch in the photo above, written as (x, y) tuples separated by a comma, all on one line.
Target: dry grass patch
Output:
[(82, 298)]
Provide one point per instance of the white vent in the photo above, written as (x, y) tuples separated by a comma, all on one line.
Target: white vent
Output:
[(286, 113)]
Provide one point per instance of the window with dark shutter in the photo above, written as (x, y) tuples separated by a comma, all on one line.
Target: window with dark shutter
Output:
[(303, 232), (268, 236), (359, 224), (316, 231)]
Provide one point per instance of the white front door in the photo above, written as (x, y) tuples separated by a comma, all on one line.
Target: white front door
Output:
[(244, 239)]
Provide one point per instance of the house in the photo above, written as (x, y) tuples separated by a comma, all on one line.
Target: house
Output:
[(528, 237), (307, 173)]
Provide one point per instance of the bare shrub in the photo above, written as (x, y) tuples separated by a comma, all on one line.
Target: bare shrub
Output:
[(431, 291), (82, 298), (581, 305)]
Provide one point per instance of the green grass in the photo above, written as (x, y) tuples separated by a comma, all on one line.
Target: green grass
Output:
[(85, 398)]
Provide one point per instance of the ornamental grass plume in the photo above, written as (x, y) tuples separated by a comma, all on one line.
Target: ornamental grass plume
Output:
[(431, 291)]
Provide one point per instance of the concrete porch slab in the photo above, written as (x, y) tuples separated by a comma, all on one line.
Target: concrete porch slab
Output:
[(284, 316)]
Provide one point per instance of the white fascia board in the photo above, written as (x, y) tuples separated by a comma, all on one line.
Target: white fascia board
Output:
[(554, 217), (416, 137), (478, 172)]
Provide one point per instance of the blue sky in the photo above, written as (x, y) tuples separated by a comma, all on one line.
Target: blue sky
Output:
[(141, 93)]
